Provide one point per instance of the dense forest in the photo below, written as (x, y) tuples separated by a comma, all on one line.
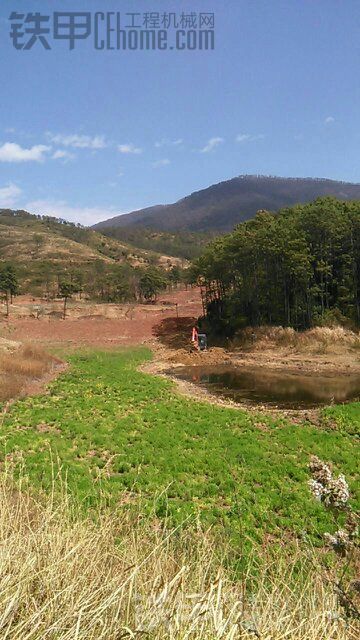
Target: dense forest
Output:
[(299, 267)]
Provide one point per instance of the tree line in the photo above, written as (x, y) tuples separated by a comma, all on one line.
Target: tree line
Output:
[(103, 282), (100, 281), (299, 267)]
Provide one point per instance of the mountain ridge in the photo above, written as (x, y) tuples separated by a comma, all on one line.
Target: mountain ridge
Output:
[(221, 206)]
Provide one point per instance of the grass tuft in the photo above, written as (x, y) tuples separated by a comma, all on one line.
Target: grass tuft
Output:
[(21, 366)]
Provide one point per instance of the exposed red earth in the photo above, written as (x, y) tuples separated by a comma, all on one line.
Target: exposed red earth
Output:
[(90, 324)]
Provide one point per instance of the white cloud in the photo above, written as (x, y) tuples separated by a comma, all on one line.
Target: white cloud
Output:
[(9, 195), (129, 148), (160, 163), (329, 120), (12, 152), (61, 154), (78, 141), (61, 209), (247, 137), (166, 142), (212, 144)]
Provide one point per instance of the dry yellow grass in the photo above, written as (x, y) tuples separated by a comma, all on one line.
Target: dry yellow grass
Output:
[(123, 576), (10, 386), (18, 243), (20, 366), (316, 340)]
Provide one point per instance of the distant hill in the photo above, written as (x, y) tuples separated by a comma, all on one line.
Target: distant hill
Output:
[(183, 244), (220, 207), (24, 237), (40, 245)]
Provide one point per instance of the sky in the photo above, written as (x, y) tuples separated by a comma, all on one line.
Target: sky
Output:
[(86, 134)]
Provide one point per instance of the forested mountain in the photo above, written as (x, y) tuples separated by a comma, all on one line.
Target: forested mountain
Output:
[(220, 207), (299, 268)]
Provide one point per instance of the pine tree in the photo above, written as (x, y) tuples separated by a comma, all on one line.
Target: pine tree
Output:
[(8, 284), (295, 268)]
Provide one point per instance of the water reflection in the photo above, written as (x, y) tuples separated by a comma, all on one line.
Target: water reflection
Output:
[(273, 388)]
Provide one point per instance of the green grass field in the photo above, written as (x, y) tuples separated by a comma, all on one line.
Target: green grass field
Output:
[(120, 434)]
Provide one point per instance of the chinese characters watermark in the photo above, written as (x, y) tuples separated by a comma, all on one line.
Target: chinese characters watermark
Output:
[(109, 31)]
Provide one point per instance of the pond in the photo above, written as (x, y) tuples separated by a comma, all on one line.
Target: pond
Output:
[(271, 387)]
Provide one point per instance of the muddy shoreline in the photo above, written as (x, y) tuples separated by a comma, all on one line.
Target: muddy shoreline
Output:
[(341, 361), (201, 394)]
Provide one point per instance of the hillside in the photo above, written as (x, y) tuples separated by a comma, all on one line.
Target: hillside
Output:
[(42, 248), (183, 244), (24, 236), (221, 206)]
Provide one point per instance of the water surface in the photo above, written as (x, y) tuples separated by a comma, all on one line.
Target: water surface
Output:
[(273, 388)]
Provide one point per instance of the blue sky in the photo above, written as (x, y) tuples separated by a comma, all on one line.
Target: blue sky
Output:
[(88, 134)]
